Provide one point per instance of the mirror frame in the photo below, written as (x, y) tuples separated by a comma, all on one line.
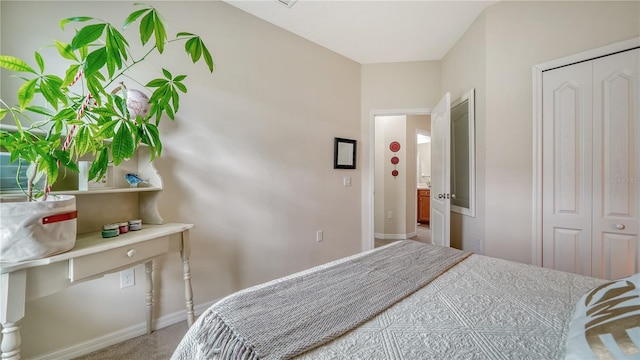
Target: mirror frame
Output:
[(471, 210)]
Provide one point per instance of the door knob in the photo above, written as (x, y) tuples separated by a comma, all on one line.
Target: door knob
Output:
[(620, 226), (453, 196)]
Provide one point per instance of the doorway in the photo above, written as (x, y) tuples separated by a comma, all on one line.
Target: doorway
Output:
[(397, 175)]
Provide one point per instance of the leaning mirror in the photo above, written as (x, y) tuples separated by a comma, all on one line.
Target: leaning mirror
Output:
[(463, 155)]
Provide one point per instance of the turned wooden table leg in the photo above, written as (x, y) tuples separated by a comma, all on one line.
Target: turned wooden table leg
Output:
[(186, 270), (12, 299), (148, 270), (10, 341)]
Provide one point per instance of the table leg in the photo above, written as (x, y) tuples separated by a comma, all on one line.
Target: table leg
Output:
[(10, 341), (148, 270), (12, 304), (186, 271)]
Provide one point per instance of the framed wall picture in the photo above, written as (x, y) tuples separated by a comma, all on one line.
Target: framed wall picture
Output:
[(344, 154)]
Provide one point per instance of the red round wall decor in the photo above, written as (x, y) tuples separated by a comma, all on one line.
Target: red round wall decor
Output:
[(394, 146), (394, 173), (395, 160)]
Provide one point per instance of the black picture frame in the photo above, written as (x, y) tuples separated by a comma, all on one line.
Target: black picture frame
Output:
[(344, 153)]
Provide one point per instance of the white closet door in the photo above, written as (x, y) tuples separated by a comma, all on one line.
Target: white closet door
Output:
[(616, 151), (567, 174)]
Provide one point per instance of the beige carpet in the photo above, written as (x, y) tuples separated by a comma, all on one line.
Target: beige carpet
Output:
[(159, 345)]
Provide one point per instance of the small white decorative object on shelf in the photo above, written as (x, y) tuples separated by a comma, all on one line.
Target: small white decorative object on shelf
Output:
[(137, 103), (83, 178)]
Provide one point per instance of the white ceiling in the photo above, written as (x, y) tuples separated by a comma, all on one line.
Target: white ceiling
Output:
[(373, 31)]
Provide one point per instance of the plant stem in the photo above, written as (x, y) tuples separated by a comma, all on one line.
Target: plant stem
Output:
[(30, 180)]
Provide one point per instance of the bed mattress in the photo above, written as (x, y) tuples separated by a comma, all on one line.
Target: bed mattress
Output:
[(482, 308)]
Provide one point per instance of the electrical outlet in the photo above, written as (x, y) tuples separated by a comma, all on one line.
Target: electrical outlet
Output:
[(127, 278), (390, 215), (319, 236)]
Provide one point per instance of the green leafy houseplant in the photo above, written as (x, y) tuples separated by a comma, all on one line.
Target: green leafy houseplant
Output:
[(85, 111)]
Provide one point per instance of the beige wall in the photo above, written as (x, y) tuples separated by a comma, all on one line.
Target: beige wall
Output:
[(495, 56), (396, 194), (390, 191), (518, 36), (249, 161), (463, 68)]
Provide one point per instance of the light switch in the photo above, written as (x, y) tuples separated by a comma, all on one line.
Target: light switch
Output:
[(346, 181)]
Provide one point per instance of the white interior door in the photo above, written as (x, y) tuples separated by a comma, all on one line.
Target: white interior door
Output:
[(440, 221), (591, 171), (567, 174), (616, 158)]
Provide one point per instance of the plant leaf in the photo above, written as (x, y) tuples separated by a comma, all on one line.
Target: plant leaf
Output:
[(146, 28), (65, 159), (167, 74), (180, 86), (50, 167), (64, 22), (26, 93), (121, 105), (95, 87), (176, 99), (87, 35), (65, 50), (54, 85), (152, 138), (160, 32), (99, 165), (156, 83), (95, 61), (106, 130), (169, 112), (14, 64), (208, 59), (70, 75), (122, 146), (40, 61), (81, 140), (194, 48), (133, 17), (40, 110)]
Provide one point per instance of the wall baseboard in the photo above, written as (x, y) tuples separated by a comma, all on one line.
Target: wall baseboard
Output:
[(395, 236), (121, 335)]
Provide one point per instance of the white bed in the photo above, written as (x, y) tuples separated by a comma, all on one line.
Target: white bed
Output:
[(481, 308)]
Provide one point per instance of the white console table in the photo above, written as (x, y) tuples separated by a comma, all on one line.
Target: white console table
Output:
[(92, 257)]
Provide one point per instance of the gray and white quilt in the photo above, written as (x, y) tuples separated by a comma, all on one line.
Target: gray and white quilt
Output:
[(480, 308)]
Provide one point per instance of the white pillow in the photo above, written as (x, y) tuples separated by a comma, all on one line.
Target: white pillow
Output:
[(606, 323)]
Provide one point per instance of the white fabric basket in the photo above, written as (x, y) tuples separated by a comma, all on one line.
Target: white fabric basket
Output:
[(34, 230)]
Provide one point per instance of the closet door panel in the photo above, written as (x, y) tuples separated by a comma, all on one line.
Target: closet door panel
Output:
[(616, 152), (620, 255), (567, 175)]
